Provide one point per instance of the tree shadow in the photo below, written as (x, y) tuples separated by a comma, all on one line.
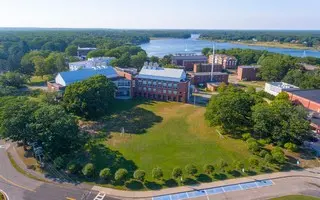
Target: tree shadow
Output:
[(134, 185), (103, 157), (171, 183), (204, 178), (152, 185), (251, 172), (190, 181), (234, 173), (220, 176), (133, 121)]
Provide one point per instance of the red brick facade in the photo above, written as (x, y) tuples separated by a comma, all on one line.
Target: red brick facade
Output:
[(247, 73), (162, 90), (203, 78), (206, 68), (309, 104)]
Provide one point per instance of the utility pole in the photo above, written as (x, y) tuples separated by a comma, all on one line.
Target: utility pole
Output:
[(212, 64)]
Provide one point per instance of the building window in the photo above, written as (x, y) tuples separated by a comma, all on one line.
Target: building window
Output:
[(154, 89), (154, 83), (164, 84), (149, 89), (149, 83), (169, 92), (144, 82), (175, 86), (174, 92), (169, 85), (144, 89), (164, 91)]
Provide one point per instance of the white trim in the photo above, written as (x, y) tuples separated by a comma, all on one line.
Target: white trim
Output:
[(5, 194)]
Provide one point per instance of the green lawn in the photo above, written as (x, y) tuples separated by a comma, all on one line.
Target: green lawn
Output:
[(167, 135), (296, 197)]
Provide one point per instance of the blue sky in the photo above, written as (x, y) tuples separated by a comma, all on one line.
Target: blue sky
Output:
[(171, 14)]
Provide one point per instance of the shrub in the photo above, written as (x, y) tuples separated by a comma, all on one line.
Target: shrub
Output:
[(208, 169), (263, 153), (249, 140), (268, 158), (59, 163), (177, 172), (279, 157), (238, 165), (254, 162), (265, 141), (222, 165), (291, 147), (246, 136), (105, 174), (191, 169), (121, 175), (88, 170), (254, 146), (157, 173), (134, 185), (73, 167), (139, 175)]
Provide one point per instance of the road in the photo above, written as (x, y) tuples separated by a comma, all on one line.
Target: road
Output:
[(20, 187)]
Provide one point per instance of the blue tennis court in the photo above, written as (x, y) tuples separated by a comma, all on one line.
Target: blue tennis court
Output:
[(216, 190)]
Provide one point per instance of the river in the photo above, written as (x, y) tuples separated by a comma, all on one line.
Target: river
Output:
[(161, 47)]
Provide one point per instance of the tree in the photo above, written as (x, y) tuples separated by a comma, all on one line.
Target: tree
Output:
[(88, 170), (71, 50), (16, 117), (191, 169), (154, 59), (58, 131), (290, 146), (254, 146), (138, 60), (105, 174), (206, 51), (238, 165), (221, 165), (59, 163), (230, 109), (208, 169), (172, 66), (139, 175), (166, 60), (39, 65), (12, 79), (157, 173), (278, 155), (89, 98), (177, 173), (97, 53), (121, 175)]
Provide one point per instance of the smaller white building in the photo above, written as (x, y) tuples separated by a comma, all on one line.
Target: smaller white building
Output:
[(275, 88), (91, 63)]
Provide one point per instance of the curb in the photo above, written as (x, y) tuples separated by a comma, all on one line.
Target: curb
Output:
[(4, 195)]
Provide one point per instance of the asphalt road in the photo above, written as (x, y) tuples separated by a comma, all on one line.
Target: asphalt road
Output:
[(19, 187)]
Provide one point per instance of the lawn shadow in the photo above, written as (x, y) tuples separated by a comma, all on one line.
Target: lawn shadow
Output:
[(152, 185), (251, 172), (204, 178), (103, 157), (171, 183), (133, 121)]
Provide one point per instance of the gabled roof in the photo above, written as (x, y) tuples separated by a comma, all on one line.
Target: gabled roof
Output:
[(70, 77), (160, 73)]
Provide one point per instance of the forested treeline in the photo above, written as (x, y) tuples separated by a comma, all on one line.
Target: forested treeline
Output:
[(308, 38)]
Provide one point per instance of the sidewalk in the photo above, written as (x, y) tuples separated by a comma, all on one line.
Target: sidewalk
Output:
[(315, 172)]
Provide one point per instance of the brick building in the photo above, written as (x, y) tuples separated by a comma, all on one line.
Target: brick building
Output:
[(247, 73), (154, 82), (188, 60), (310, 99), (206, 68), (228, 62), (205, 77)]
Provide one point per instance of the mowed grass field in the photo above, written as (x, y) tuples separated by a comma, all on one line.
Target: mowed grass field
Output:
[(296, 197), (168, 135)]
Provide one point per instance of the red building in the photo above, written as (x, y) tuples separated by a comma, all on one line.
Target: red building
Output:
[(188, 60), (154, 82), (206, 68), (310, 99), (205, 77), (247, 73)]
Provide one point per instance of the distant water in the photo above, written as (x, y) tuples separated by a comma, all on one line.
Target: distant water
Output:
[(161, 47)]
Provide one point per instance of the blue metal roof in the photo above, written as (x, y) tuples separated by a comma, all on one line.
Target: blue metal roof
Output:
[(70, 77)]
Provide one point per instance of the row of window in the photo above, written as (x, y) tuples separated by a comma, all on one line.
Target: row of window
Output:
[(155, 90), (158, 84)]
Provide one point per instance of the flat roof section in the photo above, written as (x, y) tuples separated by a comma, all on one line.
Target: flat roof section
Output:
[(312, 95)]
